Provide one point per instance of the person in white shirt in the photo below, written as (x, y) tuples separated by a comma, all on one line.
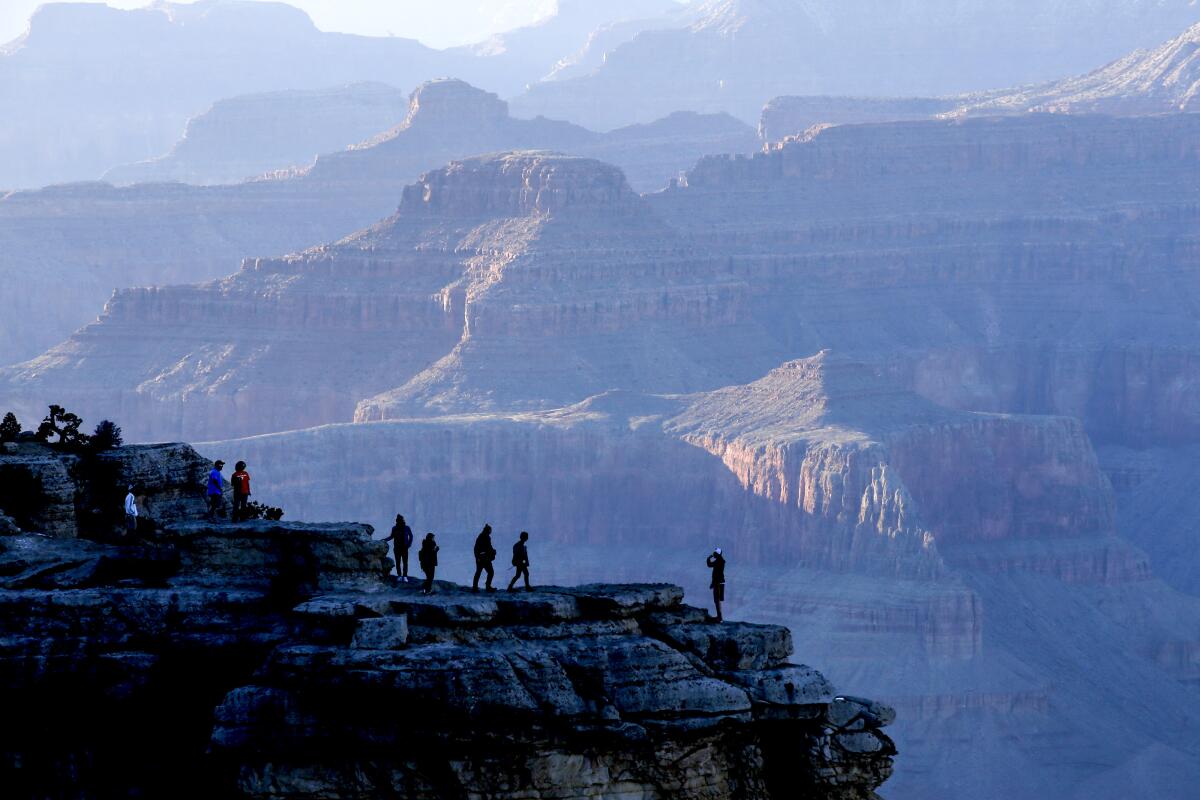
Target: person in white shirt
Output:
[(131, 512)]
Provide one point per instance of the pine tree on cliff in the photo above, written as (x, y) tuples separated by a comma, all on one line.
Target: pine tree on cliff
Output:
[(64, 425), (10, 429)]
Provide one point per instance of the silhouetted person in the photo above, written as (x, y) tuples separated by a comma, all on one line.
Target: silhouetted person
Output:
[(428, 558), (214, 490), (241, 492), (521, 562), (131, 512), (401, 538), (717, 562), (485, 554)]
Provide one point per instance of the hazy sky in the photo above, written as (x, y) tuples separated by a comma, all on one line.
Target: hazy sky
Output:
[(435, 22)]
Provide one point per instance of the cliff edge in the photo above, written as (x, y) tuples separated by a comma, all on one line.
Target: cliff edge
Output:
[(282, 660)]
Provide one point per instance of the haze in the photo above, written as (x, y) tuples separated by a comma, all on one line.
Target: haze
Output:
[(896, 302), (438, 23)]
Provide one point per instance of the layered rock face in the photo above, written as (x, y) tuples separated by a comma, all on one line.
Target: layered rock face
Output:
[(1015, 241), (167, 234), (65, 494), (297, 650), (430, 294), (979, 551)]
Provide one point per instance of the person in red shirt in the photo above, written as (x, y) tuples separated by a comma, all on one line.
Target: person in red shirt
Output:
[(241, 492)]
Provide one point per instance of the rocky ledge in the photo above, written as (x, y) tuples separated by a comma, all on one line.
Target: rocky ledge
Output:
[(281, 660)]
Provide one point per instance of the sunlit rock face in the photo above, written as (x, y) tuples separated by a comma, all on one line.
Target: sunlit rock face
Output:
[(978, 262), (79, 242), (459, 274)]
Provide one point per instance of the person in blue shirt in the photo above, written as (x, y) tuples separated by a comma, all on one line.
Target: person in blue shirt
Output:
[(214, 493)]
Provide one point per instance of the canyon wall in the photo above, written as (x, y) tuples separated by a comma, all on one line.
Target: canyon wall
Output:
[(980, 552), (79, 242)]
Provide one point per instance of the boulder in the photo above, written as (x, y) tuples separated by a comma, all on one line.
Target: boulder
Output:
[(381, 633), (289, 557), (788, 686), (733, 645)]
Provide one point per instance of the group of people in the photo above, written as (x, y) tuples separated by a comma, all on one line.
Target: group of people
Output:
[(401, 538), (215, 491)]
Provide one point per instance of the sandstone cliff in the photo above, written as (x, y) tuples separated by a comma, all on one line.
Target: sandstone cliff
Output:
[(986, 255), (79, 242), (280, 660)]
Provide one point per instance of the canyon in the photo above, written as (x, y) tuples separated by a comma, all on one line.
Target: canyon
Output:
[(312, 672), (929, 383), (161, 234), (873, 362), (985, 254)]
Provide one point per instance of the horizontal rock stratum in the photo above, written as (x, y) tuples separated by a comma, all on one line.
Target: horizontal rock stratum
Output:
[(282, 660)]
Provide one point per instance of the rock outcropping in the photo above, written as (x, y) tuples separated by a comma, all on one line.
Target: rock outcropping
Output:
[(327, 679), (67, 494)]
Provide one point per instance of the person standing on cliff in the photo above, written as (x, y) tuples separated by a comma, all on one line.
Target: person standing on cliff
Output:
[(428, 558), (131, 512), (716, 563), (241, 492), (485, 554), (401, 538), (520, 560), (215, 490)]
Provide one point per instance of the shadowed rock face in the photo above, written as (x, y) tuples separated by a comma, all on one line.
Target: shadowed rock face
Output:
[(1164, 79), (735, 55), (970, 548), (296, 650), (247, 136), (64, 494)]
